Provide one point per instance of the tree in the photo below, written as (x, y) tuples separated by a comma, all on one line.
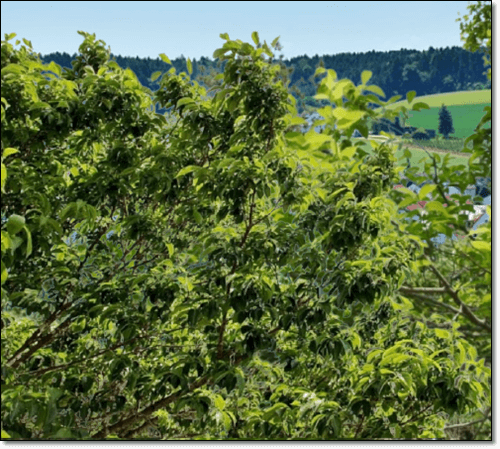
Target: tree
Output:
[(445, 122), (453, 281), (233, 283), (476, 32)]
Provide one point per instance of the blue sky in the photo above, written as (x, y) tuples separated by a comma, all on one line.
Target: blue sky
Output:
[(192, 28)]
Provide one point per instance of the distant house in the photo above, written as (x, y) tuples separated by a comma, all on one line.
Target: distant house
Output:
[(310, 120), (315, 116), (475, 219)]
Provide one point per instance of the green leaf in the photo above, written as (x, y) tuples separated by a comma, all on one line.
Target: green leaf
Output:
[(356, 341), (39, 105), (373, 354), (113, 436), (170, 249), (442, 333), (425, 190), (227, 421), (5, 434), (345, 114), (189, 66), (319, 71), (376, 90), (365, 76), (197, 217), (53, 67), (275, 41), (482, 246), (298, 121), (15, 224), (394, 358), (435, 205), (164, 58), (274, 410), (6, 241), (219, 53), (68, 211), (349, 152), (63, 433), (3, 177), (155, 76), (461, 353), (5, 274), (13, 68), (267, 50), (394, 99), (186, 170), (29, 247), (219, 402), (8, 151), (420, 105), (410, 96), (224, 36), (185, 100), (409, 192), (255, 37)]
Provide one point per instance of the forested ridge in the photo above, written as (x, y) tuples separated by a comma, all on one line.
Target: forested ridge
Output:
[(436, 70)]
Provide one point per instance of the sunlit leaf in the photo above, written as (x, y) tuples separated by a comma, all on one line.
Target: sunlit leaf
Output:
[(165, 58), (255, 37), (365, 76), (410, 96)]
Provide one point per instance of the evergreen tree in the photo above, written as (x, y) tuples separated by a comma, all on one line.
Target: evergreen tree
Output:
[(445, 122)]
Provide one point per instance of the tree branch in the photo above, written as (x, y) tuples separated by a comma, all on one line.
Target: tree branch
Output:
[(148, 422), (487, 415), (18, 357), (124, 424), (35, 336), (435, 302), (463, 307), (428, 290), (41, 371), (220, 343)]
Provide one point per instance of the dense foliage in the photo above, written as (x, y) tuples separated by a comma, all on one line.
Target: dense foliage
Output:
[(218, 275), (432, 71)]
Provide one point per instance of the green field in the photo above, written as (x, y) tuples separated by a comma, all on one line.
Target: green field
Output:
[(466, 108), (417, 155), (465, 118)]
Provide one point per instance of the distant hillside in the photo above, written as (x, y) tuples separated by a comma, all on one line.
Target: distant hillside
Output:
[(461, 98), (427, 72)]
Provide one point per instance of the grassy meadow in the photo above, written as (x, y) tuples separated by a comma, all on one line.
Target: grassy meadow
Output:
[(466, 109)]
